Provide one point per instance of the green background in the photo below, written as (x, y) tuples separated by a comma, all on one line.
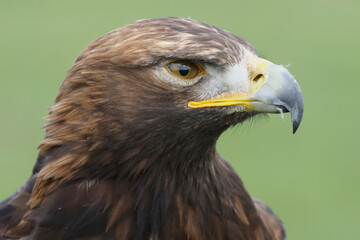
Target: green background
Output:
[(310, 179)]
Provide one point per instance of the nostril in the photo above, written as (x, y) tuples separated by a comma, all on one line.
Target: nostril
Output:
[(257, 77)]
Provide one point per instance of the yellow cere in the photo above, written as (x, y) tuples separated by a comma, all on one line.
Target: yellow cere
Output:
[(258, 69)]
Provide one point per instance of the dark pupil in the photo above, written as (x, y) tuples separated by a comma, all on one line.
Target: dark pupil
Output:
[(184, 70)]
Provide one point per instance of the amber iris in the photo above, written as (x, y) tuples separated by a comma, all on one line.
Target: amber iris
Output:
[(184, 69)]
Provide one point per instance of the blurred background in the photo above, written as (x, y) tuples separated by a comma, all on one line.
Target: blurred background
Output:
[(310, 179)]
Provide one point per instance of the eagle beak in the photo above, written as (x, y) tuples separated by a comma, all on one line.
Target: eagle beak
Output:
[(273, 90)]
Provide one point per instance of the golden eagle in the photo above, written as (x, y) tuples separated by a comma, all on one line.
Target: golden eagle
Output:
[(129, 150)]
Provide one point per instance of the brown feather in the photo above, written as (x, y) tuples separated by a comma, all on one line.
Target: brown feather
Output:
[(124, 158)]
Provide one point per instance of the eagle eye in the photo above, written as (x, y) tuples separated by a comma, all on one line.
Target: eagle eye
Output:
[(184, 69)]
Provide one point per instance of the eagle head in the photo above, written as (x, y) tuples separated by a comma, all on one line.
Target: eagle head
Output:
[(168, 76)]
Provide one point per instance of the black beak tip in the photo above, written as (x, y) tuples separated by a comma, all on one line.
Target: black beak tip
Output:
[(296, 125), (296, 117)]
